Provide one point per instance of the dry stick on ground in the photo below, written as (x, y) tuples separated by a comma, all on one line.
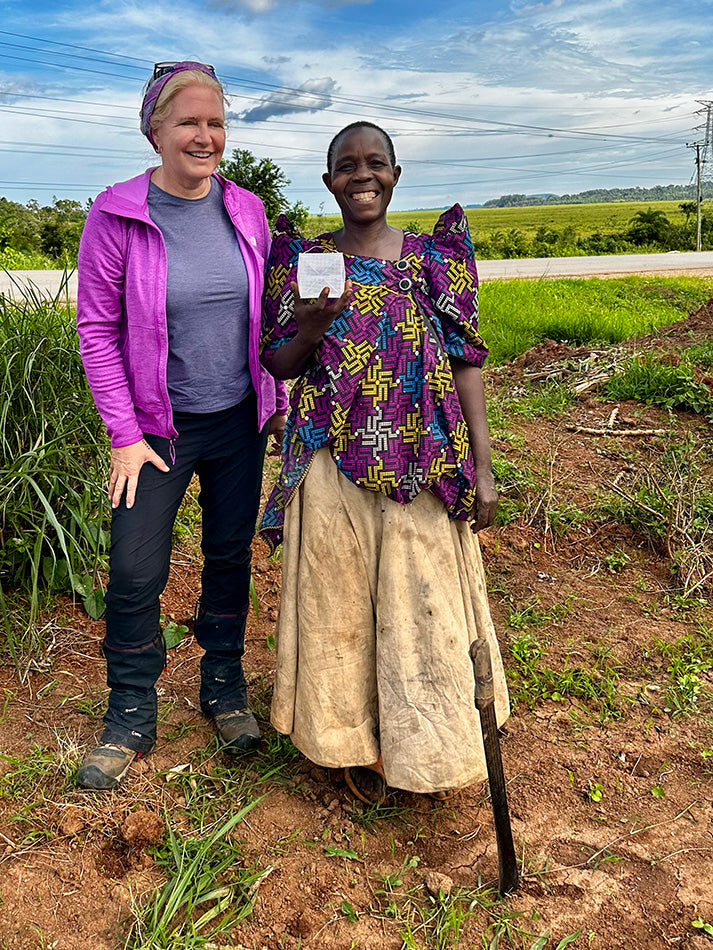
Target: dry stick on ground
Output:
[(545, 500), (588, 430), (607, 847)]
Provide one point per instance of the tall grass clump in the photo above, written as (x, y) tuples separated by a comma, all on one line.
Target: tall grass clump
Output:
[(655, 381), (208, 890), (515, 315), (51, 447)]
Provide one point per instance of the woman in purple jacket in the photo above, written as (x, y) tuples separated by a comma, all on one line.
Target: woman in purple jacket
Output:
[(168, 314)]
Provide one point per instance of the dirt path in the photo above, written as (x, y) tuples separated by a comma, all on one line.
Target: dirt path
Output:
[(608, 754)]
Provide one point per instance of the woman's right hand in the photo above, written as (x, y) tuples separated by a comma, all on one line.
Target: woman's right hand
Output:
[(314, 317), (126, 464)]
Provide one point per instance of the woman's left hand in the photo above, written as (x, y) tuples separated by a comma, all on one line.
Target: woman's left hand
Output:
[(276, 428), (486, 501)]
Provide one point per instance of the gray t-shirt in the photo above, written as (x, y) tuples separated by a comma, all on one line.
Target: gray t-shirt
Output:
[(207, 303)]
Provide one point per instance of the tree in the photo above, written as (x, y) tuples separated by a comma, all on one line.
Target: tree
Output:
[(265, 179), (649, 227), (688, 208)]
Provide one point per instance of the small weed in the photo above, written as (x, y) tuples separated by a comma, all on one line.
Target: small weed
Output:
[(181, 729), (700, 924), (348, 911), (331, 851), (548, 400), (688, 658), (24, 772), (531, 615), (701, 353), (616, 561), (651, 380), (595, 791), (276, 760), (92, 706), (173, 632), (208, 787), (368, 816), (513, 483), (396, 878), (427, 920), (187, 527), (8, 696), (529, 682)]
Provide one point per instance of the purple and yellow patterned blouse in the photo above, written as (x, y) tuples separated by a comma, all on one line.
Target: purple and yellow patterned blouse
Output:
[(379, 389)]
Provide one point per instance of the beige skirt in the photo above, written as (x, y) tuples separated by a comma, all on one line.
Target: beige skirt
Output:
[(380, 602)]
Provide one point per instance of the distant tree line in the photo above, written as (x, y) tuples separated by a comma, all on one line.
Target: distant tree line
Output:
[(603, 195), (47, 236), (648, 231)]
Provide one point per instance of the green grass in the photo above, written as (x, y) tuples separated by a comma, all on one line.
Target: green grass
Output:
[(653, 381), (207, 892), (701, 354), (586, 218), (595, 685), (689, 658), (516, 315)]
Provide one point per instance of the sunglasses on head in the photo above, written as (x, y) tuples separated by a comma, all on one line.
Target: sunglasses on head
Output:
[(162, 69)]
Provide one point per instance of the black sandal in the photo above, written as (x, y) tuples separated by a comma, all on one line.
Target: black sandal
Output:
[(367, 782)]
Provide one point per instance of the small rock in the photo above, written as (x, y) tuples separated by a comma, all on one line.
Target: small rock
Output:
[(437, 883)]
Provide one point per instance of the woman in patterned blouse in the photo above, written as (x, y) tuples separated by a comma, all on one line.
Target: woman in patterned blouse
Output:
[(386, 467)]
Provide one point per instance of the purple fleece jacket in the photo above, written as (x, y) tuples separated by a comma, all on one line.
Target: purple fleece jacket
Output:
[(121, 308)]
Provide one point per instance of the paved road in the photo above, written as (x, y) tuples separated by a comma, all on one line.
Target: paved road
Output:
[(16, 283)]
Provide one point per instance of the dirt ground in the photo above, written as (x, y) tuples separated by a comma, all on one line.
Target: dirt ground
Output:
[(611, 791)]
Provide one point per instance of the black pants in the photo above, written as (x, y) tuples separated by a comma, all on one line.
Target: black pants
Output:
[(225, 449)]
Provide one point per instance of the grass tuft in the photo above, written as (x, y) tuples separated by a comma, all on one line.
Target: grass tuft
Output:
[(207, 884)]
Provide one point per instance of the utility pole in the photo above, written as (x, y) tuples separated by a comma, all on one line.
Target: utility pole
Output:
[(704, 160), (698, 146)]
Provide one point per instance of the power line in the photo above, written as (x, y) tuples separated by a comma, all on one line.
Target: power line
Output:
[(329, 99)]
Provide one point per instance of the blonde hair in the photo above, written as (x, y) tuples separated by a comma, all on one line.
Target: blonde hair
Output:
[(188, 77)]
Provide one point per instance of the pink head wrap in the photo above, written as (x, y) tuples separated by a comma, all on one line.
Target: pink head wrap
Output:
[(162, 72)]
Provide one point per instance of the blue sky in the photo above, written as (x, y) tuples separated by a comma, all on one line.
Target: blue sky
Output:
[(482, 98)]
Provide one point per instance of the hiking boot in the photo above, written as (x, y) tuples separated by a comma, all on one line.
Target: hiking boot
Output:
[(105, 766), (238, 730)]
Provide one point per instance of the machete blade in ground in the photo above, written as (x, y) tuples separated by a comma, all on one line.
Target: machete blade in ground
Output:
[(508, 879)]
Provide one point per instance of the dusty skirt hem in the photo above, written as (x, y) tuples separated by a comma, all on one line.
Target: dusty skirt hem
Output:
[(380, 603)]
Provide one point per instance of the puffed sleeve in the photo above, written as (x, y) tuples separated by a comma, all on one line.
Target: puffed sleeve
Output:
[(452, 280), (278, 324)]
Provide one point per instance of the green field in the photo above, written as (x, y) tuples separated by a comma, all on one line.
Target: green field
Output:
[(586, 219), (516, 315)]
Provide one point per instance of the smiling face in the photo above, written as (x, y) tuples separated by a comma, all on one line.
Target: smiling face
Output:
[(190, 141), (361, 176)]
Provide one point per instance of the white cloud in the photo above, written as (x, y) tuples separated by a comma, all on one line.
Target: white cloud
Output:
[(314, 95)]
